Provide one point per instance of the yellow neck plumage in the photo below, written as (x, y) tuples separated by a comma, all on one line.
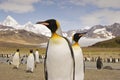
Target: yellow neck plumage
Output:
[(76, 44)]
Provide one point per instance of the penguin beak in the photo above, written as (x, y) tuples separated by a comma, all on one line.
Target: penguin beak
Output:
[(81, 34), (43, 23)]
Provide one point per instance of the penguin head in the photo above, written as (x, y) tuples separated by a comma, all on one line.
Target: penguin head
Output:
[(17, 50), (77, 36), (31, 51), (52, 24)]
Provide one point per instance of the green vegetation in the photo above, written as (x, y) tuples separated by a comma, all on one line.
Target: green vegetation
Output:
[(112, 43)]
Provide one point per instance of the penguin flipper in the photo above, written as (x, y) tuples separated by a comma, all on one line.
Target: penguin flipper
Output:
[(45, 70), (72, 55), (45, 66)]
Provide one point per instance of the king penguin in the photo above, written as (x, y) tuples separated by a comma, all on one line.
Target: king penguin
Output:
[(37, 60), (59, 60), (30, 61), (78, 55), (16, 59)]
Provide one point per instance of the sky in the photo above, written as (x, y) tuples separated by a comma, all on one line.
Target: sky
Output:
[(72, 14)]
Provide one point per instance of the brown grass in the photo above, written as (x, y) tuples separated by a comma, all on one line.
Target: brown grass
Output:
[(22, 50), (103, 52)]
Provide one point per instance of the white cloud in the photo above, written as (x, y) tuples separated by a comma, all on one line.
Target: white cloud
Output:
[(104, 17), (98, 3), (18, 6)]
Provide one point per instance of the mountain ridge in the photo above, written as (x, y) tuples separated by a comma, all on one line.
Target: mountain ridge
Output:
[(22, 37), (96, 32), (112, 43)]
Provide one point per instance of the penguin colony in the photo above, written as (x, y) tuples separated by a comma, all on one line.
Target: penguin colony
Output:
[(32, 58), (61, 61)]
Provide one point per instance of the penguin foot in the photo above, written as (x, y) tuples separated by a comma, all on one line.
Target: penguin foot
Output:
[(28, 71), (15, 68)]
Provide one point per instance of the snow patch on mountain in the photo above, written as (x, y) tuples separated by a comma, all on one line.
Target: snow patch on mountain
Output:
[(99, 30), (95, 34), (9, 21), (43, 30), (104, 33), (37, 28), (29, 26)]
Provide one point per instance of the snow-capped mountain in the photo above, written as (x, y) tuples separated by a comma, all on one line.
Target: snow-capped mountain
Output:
[(9, 21), (29, 26), (103, 33), (72, 32), (37, 28), (5, 28), (98, 32), (114, 29)]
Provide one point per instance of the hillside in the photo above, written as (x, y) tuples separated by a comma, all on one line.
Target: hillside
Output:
[(16, 45), (34, 34), (20, 38), (112, 43)]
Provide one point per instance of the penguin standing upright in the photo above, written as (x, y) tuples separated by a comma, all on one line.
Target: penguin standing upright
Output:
[(59, 60), (30, 62), (37, 60), (78, 55), (16, 59), (99, 63)]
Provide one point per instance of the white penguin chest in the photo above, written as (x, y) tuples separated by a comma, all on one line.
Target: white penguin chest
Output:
[(59, 60), (58, 50)]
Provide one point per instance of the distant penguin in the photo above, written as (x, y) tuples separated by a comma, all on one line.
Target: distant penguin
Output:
[(37, 60), (16, 59), (99, 63), (59, 60), (78, 55), (30, 62)]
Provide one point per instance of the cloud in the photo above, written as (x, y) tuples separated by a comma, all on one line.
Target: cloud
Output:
[(104, 17), (18, 6), (98, 3)]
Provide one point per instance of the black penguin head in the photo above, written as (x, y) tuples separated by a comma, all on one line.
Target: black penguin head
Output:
[(17, 50), (52, 24), (77, 36), (31, 51)]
